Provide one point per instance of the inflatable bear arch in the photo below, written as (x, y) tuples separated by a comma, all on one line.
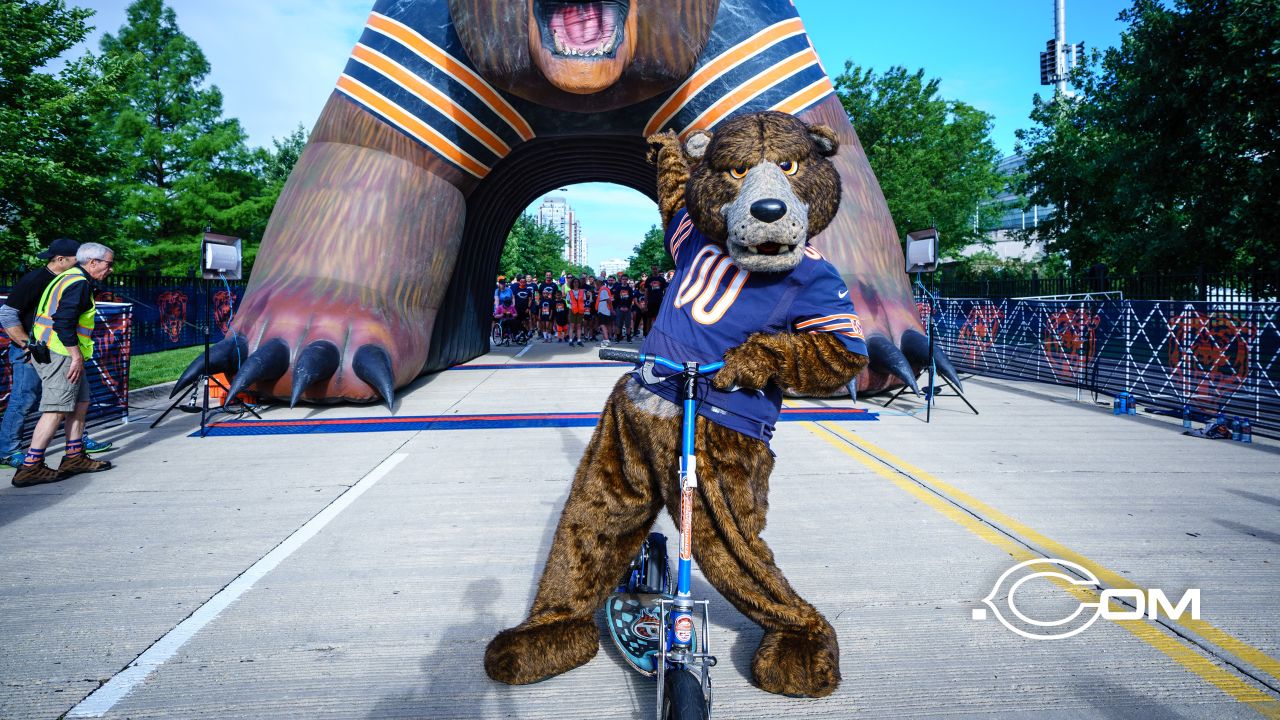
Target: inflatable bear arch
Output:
[(451, 117)]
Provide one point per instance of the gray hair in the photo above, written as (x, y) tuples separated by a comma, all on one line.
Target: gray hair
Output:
[(92, 251)]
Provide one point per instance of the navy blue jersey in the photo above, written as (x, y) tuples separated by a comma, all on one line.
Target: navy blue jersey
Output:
[(713, 306)]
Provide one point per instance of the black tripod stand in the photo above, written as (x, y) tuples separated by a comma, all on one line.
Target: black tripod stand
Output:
[(201, 387), (932, 390)]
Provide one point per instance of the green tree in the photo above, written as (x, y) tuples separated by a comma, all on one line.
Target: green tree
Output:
[(533, 248), (186, 167), (1168, 157), (52, 163), (651, 251), (934, 158)]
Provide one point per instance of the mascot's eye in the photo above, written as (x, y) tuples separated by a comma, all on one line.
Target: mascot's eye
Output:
[(790, 167), (739, 172)]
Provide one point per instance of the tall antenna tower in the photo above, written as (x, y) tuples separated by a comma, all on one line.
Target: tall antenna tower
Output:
[(1059, 57)]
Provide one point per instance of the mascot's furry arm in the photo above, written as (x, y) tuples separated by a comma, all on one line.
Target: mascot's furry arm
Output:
[(805, 363), (666, 152)]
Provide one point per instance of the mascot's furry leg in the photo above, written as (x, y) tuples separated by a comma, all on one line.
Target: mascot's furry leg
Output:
[(613, 503)]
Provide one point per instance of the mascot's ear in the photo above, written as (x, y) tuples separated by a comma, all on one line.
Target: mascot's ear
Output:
[(696, 146), (825, 138)]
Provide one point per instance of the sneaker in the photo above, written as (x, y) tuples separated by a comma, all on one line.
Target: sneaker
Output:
[(40, 474), (14, 459), (93, 446), (75, 464), (603, 344)]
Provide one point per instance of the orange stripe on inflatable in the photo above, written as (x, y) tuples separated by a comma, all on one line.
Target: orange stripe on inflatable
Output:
[(806, 97), (750, 89), (725, 62), (412, 125), (457, 70), (431, 96)]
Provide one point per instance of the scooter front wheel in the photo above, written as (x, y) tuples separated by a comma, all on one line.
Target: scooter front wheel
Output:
[(683, 699)]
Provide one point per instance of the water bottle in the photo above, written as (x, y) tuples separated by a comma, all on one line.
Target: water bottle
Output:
[(1131, 404), (1117, 404), (1246, 431), (1235, 429), (1186, 417)]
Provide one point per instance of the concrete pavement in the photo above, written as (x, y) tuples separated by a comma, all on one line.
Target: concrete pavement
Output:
[(360, 575)]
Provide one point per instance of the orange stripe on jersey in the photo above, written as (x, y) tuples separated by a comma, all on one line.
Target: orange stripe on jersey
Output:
[(428, 135), (843, 317), (454, 68), (723, 63), (682, 233), (424, 91)]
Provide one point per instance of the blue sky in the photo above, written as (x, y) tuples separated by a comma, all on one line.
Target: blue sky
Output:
[(276, 62)]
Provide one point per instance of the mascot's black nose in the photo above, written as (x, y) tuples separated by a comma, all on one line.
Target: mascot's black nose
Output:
[(768, 210)]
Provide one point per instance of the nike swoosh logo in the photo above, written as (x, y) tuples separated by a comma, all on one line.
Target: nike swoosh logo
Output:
[(845, 293)]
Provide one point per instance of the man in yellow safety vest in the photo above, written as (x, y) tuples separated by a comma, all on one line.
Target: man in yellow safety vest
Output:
[(64, 323)]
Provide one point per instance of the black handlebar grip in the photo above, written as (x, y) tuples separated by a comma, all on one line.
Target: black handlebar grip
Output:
[(630, 356)]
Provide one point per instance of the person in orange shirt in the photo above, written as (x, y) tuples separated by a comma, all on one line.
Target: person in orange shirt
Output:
[(577, 302)]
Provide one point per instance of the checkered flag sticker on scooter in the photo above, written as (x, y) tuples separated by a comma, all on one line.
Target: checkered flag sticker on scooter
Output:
[(635, 626)]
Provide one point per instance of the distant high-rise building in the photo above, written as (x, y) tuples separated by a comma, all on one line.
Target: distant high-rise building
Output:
[(556, 213), (611, 267)]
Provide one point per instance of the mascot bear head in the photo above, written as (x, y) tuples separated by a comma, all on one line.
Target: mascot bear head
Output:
[(760, 184)]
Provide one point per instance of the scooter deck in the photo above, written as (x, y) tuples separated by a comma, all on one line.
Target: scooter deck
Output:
[(635, 626)]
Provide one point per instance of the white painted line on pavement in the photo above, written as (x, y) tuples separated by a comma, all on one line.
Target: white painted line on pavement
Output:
[(100, 701), (526, 349)]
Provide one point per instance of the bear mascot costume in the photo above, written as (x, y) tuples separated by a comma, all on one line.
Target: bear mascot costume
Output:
[(739, 207)]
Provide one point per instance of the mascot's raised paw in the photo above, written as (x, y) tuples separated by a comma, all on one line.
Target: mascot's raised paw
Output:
[(532, 652), (797, 664)]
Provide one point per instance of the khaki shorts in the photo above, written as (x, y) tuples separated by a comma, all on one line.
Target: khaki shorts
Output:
[(575, 317), (58, 394)]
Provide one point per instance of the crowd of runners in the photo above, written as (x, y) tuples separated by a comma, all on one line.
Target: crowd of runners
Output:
[(577, 310)]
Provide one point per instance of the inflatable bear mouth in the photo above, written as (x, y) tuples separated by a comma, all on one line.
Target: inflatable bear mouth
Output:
[(588, 29), (581, 46)]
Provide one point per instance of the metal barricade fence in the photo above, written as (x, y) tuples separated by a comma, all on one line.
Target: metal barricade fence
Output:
[(167, 311), (1209, 357), (107, 370)]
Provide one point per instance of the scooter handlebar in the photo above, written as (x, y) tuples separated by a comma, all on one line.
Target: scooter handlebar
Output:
[(630, 356)]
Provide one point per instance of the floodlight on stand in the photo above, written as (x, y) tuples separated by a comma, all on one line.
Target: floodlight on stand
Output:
[(922, 251), (220, 257)]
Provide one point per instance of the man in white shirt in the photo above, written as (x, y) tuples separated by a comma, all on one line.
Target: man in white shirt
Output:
[(604, 311)]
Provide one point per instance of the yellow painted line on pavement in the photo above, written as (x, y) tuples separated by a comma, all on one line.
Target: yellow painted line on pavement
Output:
[(1182, 653)]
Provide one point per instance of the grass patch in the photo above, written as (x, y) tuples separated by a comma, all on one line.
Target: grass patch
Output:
[(160, 367)]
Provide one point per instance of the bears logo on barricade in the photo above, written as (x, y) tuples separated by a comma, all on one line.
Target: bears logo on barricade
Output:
[(979, 332), (222, 310), (173, 313), (1071, 342), (1208, 356)]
